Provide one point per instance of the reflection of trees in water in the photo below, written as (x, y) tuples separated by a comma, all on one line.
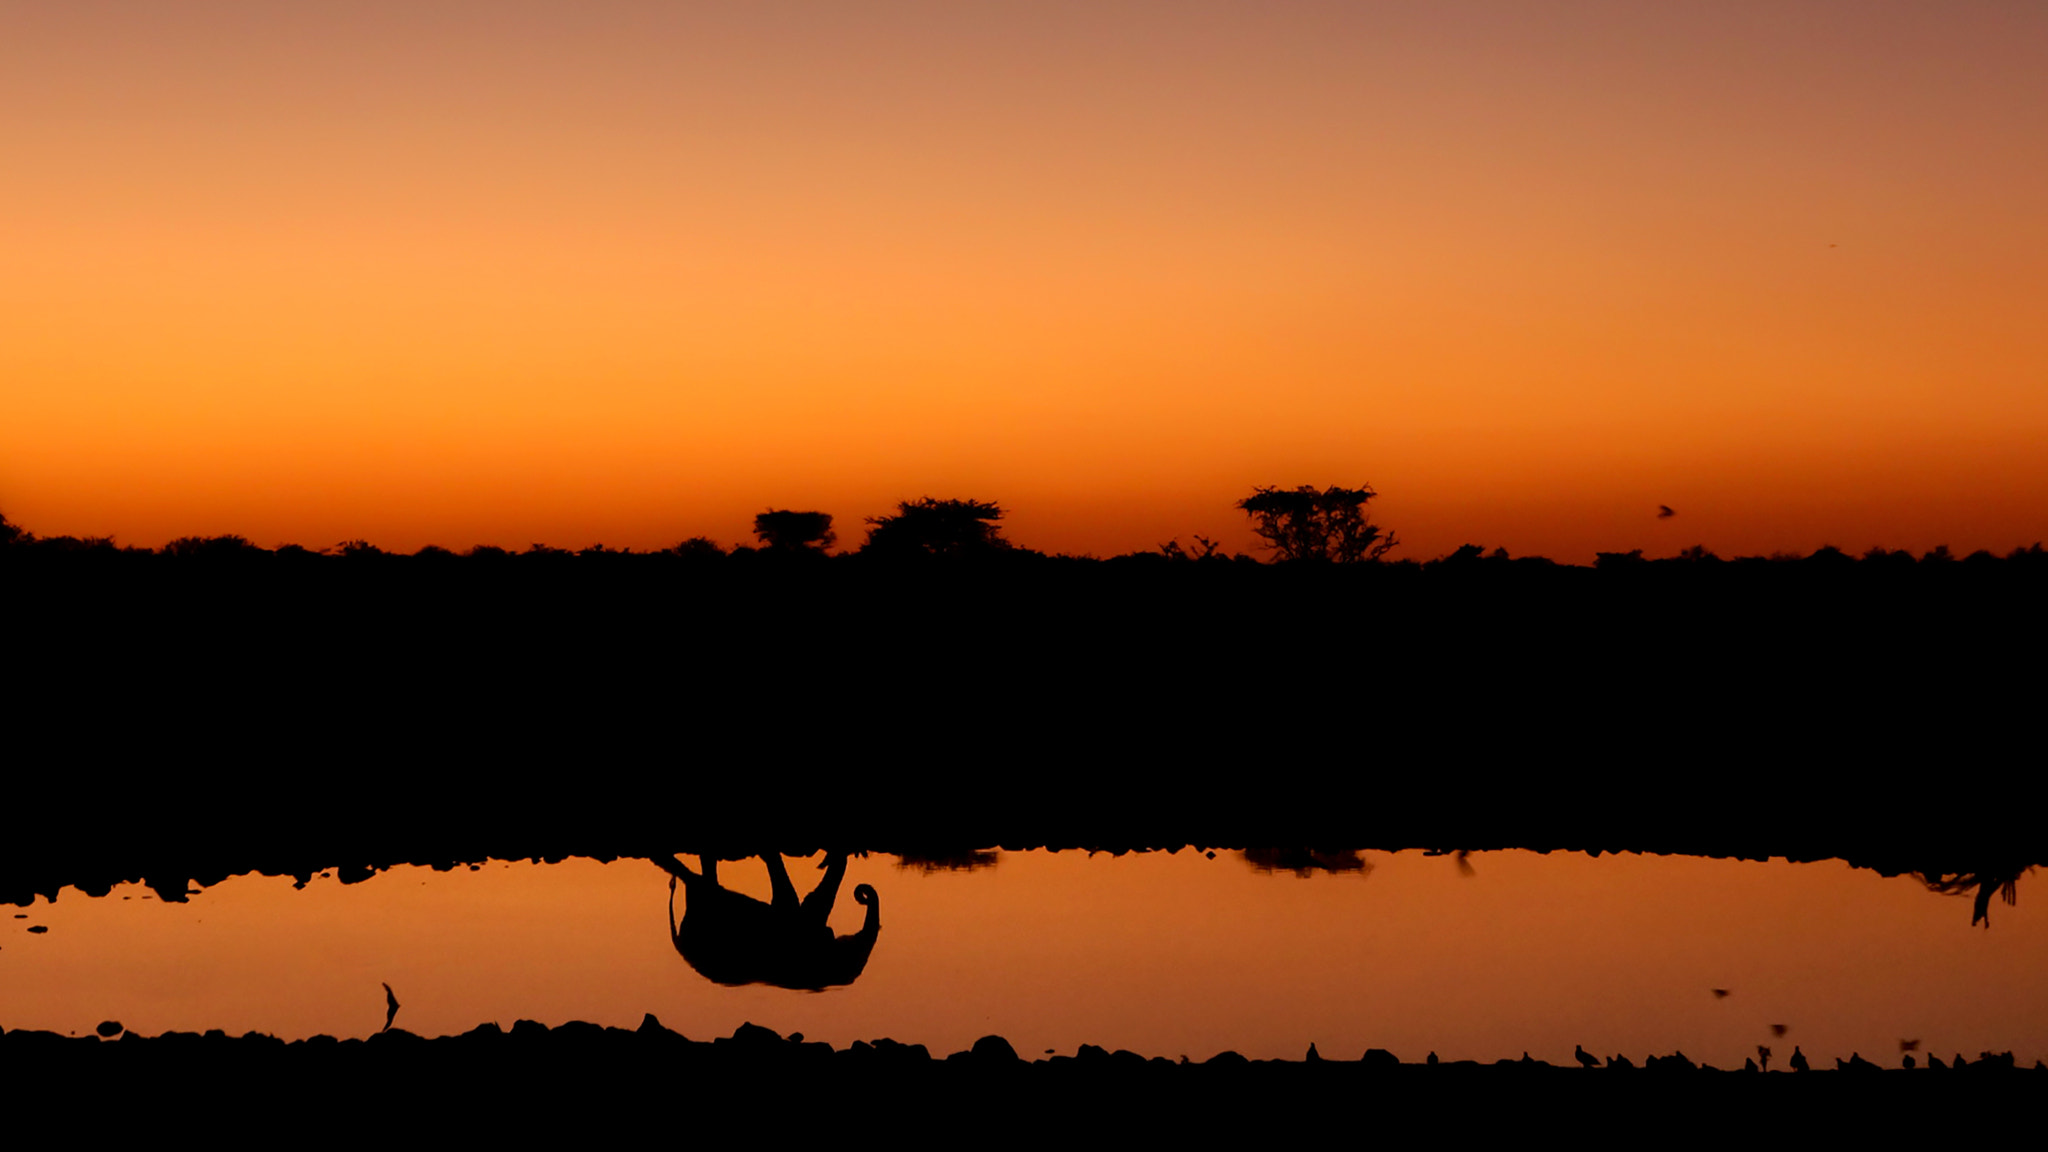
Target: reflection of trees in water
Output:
[(2000, 878), (946, 860), (1306, 862), (1995, 877), (731, 938)]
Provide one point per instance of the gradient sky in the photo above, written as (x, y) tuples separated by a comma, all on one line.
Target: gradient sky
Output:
[(631, 271)]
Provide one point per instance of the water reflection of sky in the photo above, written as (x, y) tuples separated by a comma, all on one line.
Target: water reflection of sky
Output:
[(1162, 954)]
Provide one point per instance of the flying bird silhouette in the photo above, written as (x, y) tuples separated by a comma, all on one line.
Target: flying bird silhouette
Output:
[(1720, 993), (1664, 512), (1909, 1045), (1780, 1029), (390, 1008)]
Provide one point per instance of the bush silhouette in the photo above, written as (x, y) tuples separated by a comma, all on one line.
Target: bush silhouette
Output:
[(211, 547), (698, 548), (794, 533)]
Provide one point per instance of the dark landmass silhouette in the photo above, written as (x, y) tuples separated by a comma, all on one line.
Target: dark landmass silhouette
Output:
[(580, 1076), (212, 707)]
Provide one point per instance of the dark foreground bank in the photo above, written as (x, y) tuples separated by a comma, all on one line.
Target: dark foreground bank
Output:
[(756, 1083), (185, 721)]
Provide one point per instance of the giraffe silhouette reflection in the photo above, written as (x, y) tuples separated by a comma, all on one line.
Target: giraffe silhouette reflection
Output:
[(732, 938)]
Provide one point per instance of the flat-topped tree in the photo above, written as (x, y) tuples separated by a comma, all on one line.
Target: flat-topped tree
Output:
[(1311, 525), (928, 527)]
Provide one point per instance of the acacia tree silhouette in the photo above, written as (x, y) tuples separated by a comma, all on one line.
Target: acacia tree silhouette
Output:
[(1304, 524), (795, 533), (928, 527)]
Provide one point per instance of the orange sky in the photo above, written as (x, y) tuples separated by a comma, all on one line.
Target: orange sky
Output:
[(632, 271)]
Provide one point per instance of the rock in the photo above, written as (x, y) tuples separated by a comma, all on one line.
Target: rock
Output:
[(1379, 1058), (753, 1037), (110, 1028)]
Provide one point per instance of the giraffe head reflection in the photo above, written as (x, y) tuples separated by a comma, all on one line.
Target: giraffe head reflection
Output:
[(732, 938)]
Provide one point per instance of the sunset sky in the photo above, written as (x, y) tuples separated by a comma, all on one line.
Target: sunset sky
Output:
[(630, 271)]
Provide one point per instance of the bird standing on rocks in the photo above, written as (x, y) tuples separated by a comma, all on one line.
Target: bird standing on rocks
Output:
[(1799, 1063), (1586, 1059)]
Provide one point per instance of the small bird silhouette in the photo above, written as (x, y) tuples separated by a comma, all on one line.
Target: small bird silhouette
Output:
[(1719, 993), (1586, 1059), (1906, 1061), (1764, 1054), (1799, 1063), (1780, 1029), (1664, 512), (1313, 1056), (390, 1008)]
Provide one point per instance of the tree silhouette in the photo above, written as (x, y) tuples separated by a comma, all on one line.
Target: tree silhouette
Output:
[(12, 533), (928, 527), (793, 533), (1304, 524)]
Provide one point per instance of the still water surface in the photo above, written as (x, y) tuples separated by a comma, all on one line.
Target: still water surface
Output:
[(1164, 954)]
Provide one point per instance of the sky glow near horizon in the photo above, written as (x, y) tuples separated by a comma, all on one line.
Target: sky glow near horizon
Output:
[(629, 272)]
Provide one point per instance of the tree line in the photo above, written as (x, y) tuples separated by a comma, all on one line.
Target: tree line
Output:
[(1304, 526)]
